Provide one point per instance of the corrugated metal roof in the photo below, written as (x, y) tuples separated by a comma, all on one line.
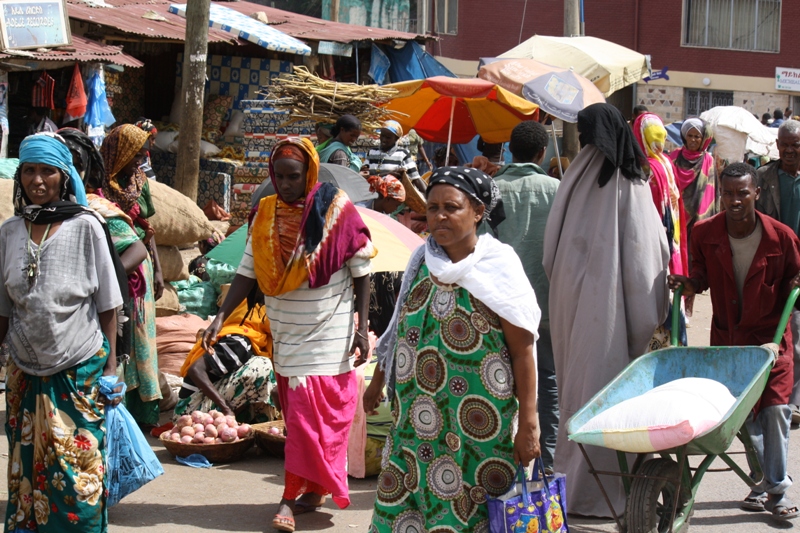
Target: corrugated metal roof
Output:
[(127, 16), (305, 27), (84, 50)]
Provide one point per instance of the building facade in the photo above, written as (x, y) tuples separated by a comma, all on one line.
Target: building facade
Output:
[(715, 52)]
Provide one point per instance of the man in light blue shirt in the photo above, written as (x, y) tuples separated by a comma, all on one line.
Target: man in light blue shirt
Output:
[(528, 193)]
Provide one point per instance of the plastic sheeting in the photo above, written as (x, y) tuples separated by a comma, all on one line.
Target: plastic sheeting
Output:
[(412, 62)]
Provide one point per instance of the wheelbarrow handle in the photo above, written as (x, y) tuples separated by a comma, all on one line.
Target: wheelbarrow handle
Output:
[(676, 315), (787, 311)]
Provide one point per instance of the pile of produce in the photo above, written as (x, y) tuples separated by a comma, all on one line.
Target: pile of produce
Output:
[(309, 97), (207, 428)]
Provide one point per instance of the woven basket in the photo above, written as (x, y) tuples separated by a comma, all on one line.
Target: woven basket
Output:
[(272, 444), (225, 452), (414, 199)]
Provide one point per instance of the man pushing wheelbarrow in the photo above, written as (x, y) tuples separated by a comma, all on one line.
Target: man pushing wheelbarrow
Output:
[(750, 262)]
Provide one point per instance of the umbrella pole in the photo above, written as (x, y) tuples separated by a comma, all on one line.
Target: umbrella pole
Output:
[(450, 132), (555, 145)]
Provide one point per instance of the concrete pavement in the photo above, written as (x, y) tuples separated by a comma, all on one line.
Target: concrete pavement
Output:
[(242, 496)]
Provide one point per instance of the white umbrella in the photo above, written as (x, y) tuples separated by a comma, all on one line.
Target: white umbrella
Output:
[(737, 131), (608, 65)]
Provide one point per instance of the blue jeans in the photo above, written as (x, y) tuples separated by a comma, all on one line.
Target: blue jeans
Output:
[(770, 434), (547, 396)]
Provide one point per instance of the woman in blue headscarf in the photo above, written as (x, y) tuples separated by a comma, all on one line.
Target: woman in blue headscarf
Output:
[(59, 294)]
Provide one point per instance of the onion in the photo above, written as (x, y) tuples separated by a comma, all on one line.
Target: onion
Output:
[(273, 431), (214, 413), (186, 439), (184, 421), (208, 419), (198, 427), (197, 416), (231, 421), (243, 430), (187, 431), (198, 438), (228, 435), (175, 437), (218, 441), (209, 440), (211, 431), (221, 428)]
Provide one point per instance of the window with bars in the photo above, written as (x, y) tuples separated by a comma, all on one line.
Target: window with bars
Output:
[(698, 100), (733, 24)]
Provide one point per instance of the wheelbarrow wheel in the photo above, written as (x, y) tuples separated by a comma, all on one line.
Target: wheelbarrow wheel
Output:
[(650, 502)]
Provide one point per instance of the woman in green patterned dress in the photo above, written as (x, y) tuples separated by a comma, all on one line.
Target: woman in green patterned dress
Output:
[(124, 152), (459, 358)]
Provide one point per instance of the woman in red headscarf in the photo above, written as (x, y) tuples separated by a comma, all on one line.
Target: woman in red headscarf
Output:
[(309, 252)]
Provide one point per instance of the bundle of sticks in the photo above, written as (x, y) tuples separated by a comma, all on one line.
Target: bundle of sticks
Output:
[(309, 97)]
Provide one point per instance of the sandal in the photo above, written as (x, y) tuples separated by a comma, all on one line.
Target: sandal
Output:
[(754, 502), (781, 507), (283, 523)]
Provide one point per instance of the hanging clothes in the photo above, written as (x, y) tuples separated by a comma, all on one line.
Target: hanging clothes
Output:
[(43, 92)]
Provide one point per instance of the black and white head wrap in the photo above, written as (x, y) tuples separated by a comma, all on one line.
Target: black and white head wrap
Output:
[(476, 184)]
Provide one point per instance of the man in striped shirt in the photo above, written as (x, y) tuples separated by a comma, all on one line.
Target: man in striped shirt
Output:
[(391, 156)]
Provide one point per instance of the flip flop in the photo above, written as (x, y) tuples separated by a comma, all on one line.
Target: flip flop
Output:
[(783, 509), (283, 523), (754, 502)]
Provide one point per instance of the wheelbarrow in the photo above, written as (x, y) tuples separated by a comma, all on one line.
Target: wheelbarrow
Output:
[(661, 492)]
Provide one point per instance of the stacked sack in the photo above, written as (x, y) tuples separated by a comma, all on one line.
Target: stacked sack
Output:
[(179, 223)]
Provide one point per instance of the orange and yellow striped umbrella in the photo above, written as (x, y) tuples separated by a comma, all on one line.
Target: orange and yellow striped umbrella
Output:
[(453, 110)]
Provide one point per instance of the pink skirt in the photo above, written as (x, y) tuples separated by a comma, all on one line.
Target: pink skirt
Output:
[(318, 419)]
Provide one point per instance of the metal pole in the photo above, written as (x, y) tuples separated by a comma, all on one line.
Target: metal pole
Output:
[(572, 27), (195, 50), (450, 131), (555, 145)]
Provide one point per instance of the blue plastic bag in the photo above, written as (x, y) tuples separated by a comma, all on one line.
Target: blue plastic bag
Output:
[(130, 462)]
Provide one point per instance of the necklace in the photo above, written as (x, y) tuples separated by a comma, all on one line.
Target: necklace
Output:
[(32, 270)]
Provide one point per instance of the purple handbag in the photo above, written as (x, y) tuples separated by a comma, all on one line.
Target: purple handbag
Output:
[(531, 506)]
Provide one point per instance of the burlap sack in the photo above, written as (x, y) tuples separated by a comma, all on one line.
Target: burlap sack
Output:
[(6, 199), (175, 338), (168, 305), (178, 220), (172, 266)]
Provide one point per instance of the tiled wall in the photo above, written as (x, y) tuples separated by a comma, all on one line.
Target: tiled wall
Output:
[(240, 77)]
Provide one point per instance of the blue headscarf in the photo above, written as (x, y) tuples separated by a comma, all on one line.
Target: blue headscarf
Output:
[(51, 149)]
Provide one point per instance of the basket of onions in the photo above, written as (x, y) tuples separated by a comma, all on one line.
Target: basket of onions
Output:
[(271, 437), (217, 437)]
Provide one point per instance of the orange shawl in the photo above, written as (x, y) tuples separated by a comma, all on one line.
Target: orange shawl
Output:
[(280, 235), (255, 328)]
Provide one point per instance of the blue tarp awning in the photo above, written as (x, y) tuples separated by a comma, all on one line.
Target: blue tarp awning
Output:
[(412, 62), (249, 29)]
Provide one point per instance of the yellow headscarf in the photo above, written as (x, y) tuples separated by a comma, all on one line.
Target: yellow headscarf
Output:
[(119, 148), (256, 328)]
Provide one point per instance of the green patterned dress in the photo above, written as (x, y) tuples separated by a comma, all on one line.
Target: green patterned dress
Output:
[(141, 372), (451, 444)]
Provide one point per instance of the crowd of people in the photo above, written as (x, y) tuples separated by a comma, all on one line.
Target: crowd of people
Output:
[(529, 294)]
